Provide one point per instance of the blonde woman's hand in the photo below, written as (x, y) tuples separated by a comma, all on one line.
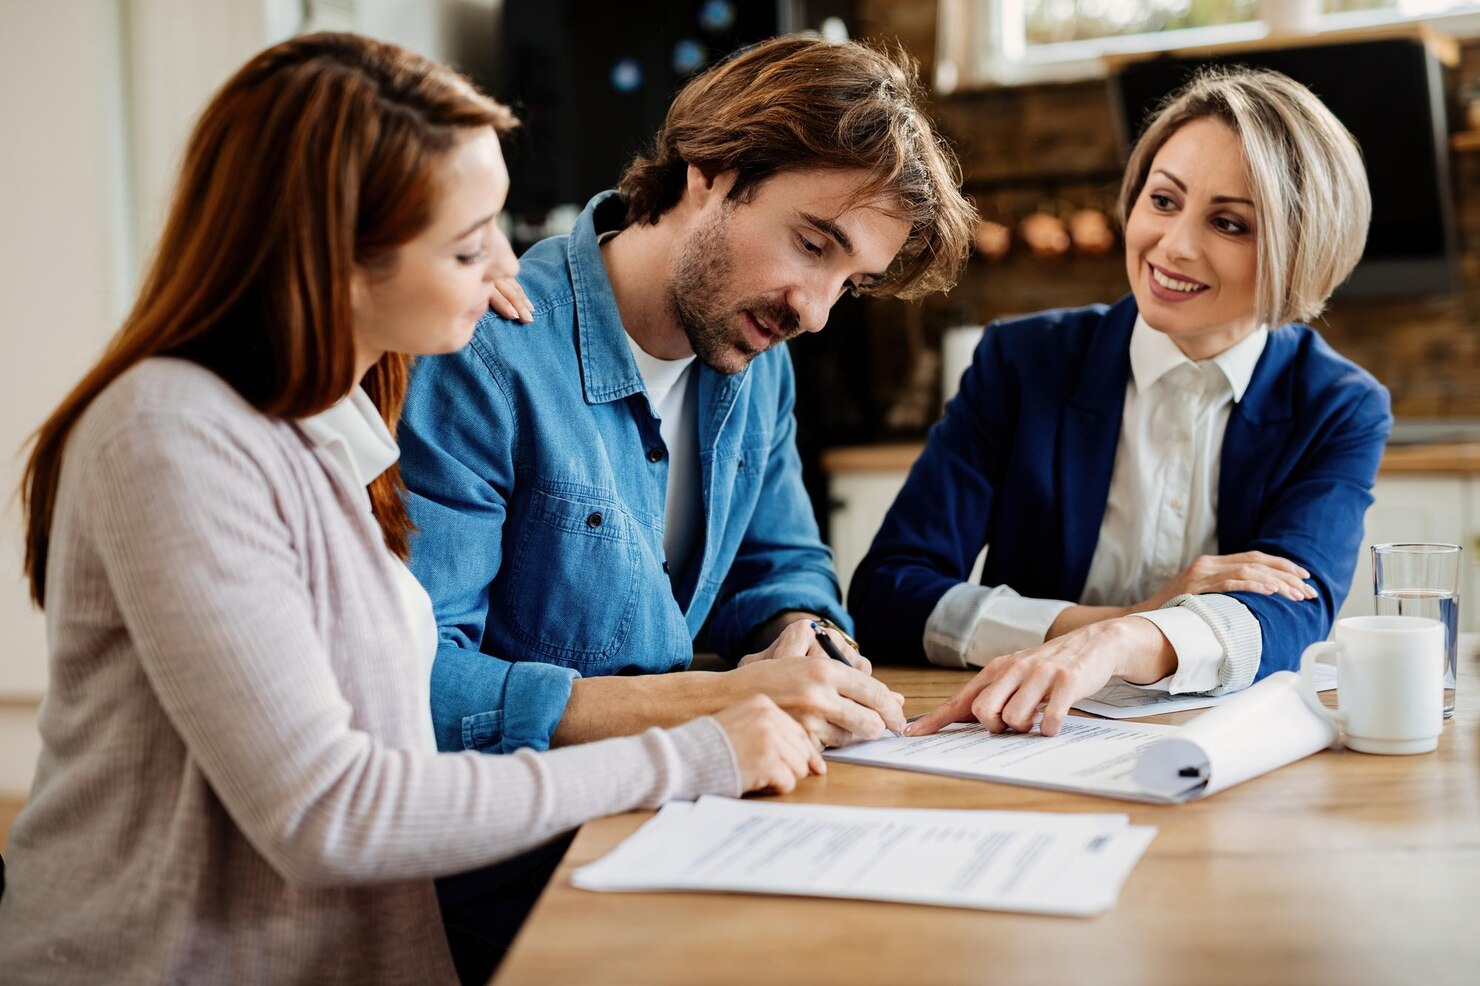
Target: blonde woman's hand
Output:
[(1010, 690), (1247, 571), (772, 748)]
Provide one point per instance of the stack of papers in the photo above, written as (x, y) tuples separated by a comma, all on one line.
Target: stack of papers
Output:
[(1123, 700), (995, 860), (1255, 731)]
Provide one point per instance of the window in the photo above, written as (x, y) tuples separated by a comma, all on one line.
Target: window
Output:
[(1057, 21), (985, 42)]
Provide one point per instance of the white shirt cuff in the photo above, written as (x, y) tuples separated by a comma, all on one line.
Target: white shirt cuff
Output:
[(1199, 654), (971, 624)]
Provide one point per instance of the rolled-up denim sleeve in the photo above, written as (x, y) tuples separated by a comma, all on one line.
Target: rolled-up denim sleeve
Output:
[(493, 706)]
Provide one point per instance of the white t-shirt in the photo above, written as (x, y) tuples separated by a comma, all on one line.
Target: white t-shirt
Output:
[(675, 403)]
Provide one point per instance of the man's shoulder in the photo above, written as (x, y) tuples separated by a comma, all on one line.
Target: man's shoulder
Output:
[(545, 276)]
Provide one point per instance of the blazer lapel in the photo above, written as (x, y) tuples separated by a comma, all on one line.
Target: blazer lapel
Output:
[(1089, 431), (1258, 432)]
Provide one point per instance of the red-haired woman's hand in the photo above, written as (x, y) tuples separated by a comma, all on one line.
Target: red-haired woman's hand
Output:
[(507, 298), (771, 748)]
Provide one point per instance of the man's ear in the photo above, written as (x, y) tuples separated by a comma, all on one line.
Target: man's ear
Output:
[(700, 187)]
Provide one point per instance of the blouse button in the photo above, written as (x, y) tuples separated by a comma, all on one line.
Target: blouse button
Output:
[(655, 455), (594, 520)]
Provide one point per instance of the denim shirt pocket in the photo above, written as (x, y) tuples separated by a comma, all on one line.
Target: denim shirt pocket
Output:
[(572, 586)]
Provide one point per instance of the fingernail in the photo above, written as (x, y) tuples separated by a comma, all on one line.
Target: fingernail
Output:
[(909, 729)]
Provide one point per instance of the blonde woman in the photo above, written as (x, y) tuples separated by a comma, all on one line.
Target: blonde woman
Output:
[(239, 781), (1171, 487)]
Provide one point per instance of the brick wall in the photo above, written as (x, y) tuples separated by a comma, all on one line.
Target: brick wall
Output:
[(1040, 145)]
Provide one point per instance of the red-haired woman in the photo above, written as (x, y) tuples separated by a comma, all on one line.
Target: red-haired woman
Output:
[(238, 778)]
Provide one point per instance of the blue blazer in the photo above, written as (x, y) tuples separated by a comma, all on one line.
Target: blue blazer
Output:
[(1023, 456)]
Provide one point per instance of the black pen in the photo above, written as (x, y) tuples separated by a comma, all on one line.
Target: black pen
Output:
[(831, 649)]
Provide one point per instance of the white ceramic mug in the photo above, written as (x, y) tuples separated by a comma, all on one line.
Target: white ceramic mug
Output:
[(1389, 685)]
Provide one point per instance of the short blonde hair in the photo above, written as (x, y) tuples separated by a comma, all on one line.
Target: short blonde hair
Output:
[(1311, 201)]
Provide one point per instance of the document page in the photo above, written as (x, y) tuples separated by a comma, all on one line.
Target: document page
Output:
[(1088, 756), (1262, 728), (995, 860), (1123, 700)]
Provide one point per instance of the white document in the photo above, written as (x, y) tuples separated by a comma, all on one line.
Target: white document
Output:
[(995, 860), (1123, 700), (1257, 730)]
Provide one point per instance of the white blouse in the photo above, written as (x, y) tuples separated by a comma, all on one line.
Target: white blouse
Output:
[(1162, 513)]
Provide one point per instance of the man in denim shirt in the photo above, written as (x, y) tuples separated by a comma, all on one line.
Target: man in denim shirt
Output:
[(613, 464)]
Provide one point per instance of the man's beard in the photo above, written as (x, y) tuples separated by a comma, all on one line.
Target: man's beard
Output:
[(696, 297)]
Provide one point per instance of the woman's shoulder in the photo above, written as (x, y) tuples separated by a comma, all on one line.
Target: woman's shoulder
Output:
[(1317, 368), (169, 401), (1055, 328)]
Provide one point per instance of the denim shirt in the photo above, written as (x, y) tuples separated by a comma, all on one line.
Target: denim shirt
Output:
[(537, 483)]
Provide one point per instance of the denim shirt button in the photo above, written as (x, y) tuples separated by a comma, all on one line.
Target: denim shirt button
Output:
[(655, 455), (739, 464), (594, 520)]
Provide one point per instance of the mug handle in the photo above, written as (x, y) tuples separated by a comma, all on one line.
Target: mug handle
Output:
[(1323, 652)]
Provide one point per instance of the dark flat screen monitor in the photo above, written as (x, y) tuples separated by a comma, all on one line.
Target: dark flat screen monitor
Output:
[(1390, 95)]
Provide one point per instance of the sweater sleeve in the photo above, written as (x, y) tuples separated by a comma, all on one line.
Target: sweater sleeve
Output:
[(190, 531)]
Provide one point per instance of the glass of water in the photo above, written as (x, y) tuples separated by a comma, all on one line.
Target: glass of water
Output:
[(1422, 580)]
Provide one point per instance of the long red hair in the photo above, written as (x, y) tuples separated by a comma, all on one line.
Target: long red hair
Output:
[(317, 156)]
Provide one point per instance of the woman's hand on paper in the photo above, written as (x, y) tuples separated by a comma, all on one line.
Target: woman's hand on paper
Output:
[(771, 748), (1247, 571), (1009, 690)]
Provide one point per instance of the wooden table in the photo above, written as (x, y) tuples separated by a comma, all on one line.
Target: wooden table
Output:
[(1341, 868), (1442, 458)]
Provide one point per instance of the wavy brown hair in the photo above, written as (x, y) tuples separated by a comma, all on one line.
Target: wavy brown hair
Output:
[(796, 102), (317, 157)]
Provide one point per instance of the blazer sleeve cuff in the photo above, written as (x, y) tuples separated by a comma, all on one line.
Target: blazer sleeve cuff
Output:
[(1238, 633), (971, 624), (1199, 653)]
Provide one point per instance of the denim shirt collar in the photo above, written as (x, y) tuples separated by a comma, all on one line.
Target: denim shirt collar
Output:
[(608, 371)]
